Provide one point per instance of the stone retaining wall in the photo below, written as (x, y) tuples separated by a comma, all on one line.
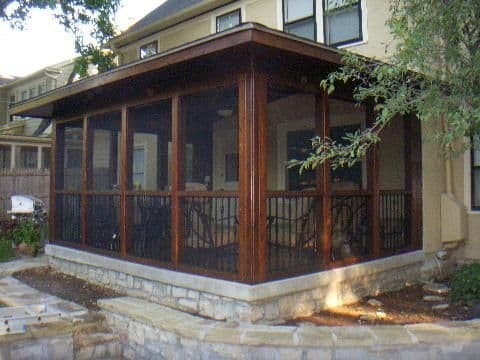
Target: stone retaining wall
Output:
[(223, 300), (151, 331)]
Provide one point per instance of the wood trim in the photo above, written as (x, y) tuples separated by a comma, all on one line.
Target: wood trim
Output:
[(322, 123), (125, 148), (87, 151), (53, 182), (413, 177), (373, 187), (178, 146), (252, 203)]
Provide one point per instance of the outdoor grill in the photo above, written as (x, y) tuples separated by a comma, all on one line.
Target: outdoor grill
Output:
[(27, 206)]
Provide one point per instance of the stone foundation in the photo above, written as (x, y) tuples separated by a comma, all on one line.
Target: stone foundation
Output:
[(224, 300), (151, 331)]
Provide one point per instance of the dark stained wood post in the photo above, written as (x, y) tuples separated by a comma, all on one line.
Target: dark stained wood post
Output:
[(126, 145), (322, 124), (53, 175), (252, 181), (87, 164), (373, 188), (178, 183), (413, 179)]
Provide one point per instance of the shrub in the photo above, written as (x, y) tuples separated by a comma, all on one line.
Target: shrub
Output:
[(465, 285), (6, 249), (27, 232)]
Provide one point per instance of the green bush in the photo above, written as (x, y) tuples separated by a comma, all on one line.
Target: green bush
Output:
[(27, 232), (6, 249), (465, 285)]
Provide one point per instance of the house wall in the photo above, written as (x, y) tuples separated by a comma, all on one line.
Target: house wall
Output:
[(3, 105), (268, 13)]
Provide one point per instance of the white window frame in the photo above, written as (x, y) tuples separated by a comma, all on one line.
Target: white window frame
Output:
[(223, 11), (320, 24)]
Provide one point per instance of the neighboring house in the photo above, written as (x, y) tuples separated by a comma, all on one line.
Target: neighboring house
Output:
[(25, 141), (177, 159)]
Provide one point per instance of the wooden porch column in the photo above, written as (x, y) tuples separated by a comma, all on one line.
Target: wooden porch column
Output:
[(253, 174), (322, 124), (413, 179), (87, 164), (125, 171), (178, 183), (373, 188), (53, 176)]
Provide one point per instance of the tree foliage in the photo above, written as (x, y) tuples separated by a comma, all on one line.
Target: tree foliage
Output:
[(75, 16), (434, 72)]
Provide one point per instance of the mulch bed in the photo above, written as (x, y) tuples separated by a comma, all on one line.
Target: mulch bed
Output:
[(401, 307), (65, 286)]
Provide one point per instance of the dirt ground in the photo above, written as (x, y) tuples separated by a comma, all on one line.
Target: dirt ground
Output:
[(65, 286), (399, 307)]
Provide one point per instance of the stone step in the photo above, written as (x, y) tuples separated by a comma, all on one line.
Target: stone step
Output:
[(433, 298), (440, 307), (437, 289)]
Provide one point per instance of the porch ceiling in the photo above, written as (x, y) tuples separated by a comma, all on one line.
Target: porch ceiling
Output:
[(225, 50)]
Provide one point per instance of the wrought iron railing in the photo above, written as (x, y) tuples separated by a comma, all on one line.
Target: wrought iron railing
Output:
[(68, 218), (293, 232), (349, 226), (103, 227), (394, 220), (150, 226), (210, 232)]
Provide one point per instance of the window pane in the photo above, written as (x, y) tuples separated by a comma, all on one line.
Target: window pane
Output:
[(291, 124), (297, 9), (228, 21), (476, 187), (45, 158), (337, 4), (304, 29), (343, 25), (69, 156), (152, 136), (211, 124), (5, 156), (105, 158), (27, 157), (149, 49), (346, 117)]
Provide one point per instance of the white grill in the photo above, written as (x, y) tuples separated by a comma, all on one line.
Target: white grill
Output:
[(25, 205)]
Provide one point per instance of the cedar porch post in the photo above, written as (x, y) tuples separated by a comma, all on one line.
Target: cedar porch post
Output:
[(252, 182), (413, 179), (322, 124), (373, 188), (53, 176), (178, 183), (125, 171), (87, 164)]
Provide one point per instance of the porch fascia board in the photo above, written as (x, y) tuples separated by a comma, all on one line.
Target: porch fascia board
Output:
[(43, 106), (230, 289)]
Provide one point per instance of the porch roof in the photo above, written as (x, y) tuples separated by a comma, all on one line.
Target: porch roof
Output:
[(136, 75)]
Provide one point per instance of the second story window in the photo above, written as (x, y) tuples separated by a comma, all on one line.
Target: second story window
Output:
[(342, 21), (148, 50), (299, 18), (24, 95), (229, 20), (41, 88), (12, 99), (31, 93)]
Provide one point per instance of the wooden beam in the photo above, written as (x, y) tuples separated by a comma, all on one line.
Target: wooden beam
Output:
[(413, 179), (53, 177), (178, 183), (322, 124), (125, 151), (373, 188), (87, 163), (252, 173)]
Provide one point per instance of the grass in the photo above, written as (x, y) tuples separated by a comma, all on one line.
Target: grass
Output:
[(6, 250)]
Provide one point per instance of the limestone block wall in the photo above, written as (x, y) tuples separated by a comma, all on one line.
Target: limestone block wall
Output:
[(223, 300), (150, 331)]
